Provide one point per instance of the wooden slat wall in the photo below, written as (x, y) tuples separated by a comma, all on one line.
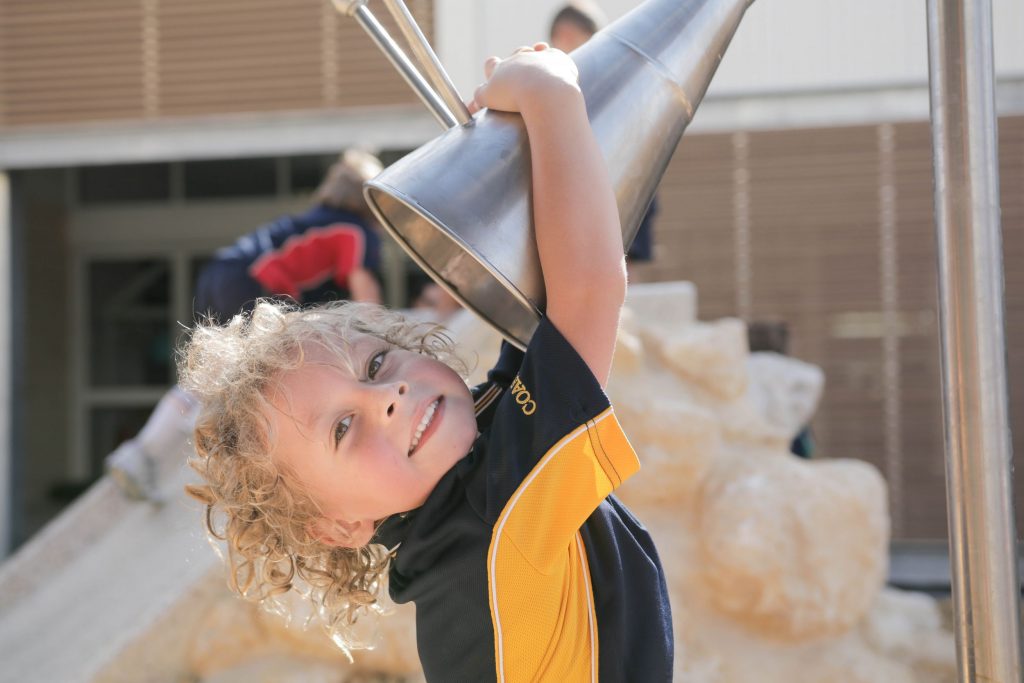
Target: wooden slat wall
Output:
[(66, 61), (70, 61), (1011, 169), (694, 224), (249, 55), (813, 202), (923, 504)]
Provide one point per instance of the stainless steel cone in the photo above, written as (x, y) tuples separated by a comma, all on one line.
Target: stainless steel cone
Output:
[(460, 204)]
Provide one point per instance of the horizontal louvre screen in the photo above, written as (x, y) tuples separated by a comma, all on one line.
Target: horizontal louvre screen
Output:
[(811, 201), (1011, 176), (68, 62)]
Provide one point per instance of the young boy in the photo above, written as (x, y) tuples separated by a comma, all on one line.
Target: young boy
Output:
[(338, 444), (329, 252)]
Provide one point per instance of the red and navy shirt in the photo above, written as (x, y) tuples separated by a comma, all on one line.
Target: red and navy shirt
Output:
[(307, 258), (522, 565)]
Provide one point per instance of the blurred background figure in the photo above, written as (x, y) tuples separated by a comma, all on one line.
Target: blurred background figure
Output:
[(436, 300), (330, 252), (573, 25)]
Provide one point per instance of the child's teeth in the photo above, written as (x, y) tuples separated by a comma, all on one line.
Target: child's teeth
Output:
[(428, 415)]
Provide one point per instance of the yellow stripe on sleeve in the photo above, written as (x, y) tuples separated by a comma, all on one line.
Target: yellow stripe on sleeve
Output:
[(539, 582)]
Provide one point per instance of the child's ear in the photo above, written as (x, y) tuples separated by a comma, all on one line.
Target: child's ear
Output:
[(343, 534)]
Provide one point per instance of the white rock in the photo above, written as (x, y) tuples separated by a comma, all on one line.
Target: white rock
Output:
[(792, 549), (786, 391), (672, 304), (711, 356)]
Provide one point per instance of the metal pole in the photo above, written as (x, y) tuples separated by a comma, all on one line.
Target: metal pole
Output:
[(6, 361), (391, 50), (427, 61), (983, 554)]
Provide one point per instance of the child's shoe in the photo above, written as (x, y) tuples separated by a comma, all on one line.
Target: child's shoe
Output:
[(134, 471)]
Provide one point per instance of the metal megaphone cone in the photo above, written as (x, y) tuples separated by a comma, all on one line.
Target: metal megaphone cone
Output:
[(460, 204)]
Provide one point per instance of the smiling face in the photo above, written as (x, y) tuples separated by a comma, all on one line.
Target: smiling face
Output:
[(373, 440)]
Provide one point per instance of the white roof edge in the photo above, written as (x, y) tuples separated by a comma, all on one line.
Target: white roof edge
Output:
[(249, 135), (216, 137)]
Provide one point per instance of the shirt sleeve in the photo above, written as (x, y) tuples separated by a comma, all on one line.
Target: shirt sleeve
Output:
[(555, 449)]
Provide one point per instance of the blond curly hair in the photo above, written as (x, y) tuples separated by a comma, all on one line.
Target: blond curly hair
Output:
[(257, 508)]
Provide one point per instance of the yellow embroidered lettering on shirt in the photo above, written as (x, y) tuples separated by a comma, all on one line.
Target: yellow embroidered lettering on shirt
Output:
[(522, 396)]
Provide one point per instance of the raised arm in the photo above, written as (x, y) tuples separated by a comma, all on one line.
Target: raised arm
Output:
[(576, 219)]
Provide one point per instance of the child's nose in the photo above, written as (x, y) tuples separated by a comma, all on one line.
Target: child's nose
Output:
[(394, 393)]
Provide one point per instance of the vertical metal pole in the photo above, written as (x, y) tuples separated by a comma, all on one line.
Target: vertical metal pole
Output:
[(6, 378), (983, 554), (398, 59), (428, 63)]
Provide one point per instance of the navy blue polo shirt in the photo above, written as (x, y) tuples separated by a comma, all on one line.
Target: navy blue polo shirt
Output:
[(521, 563)]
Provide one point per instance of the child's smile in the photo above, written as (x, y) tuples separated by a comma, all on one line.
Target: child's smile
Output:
[(427, 423), (374, 440)]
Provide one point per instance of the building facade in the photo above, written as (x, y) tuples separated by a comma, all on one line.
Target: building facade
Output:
[(136, 136)]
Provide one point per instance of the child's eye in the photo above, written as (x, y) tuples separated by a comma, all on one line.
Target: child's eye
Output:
[(375, 364), (341, 429)]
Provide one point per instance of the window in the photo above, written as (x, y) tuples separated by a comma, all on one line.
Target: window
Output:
[(131, 305), (129, 311), (224, 178), (124, 183)]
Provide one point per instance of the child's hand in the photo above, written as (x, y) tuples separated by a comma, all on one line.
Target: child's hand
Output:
[(576, 221), (529, 75)]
